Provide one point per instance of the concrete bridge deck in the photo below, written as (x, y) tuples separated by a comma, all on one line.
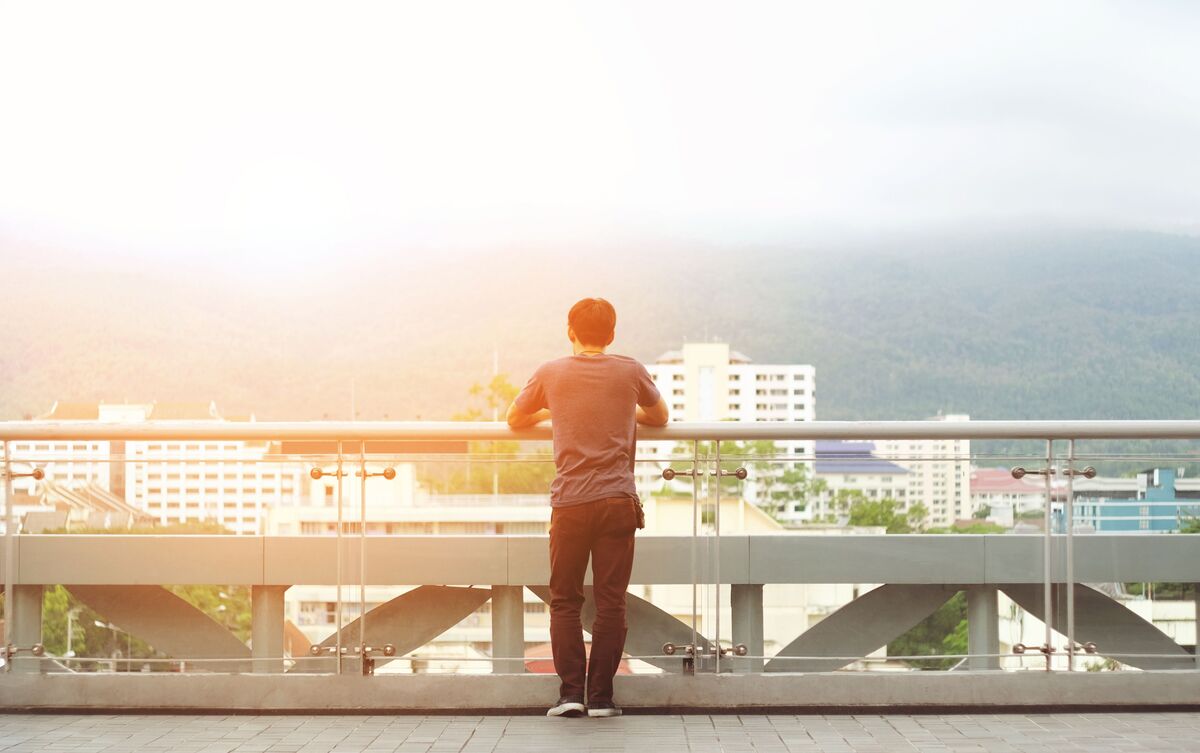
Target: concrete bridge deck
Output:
[(986, 733)]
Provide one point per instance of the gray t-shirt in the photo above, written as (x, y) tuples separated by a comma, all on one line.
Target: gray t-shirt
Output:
[(592, 401)]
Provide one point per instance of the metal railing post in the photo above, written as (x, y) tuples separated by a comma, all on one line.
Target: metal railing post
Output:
[(362, 559), (1069, 522), (10, 560), (717, 562), (695, 534), (1047, 549), (338, 602)]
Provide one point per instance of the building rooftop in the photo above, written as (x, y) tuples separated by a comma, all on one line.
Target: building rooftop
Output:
[(67, 411), (184, 411), (835, 456), (1001, 481)]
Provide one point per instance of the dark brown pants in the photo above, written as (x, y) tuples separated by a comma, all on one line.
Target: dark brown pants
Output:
[(604, 531)]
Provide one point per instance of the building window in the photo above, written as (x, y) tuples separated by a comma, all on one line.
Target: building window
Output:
[(735, 406), (735, 377), (677, 377)]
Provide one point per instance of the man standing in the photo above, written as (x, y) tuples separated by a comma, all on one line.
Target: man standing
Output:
[(597, 399)]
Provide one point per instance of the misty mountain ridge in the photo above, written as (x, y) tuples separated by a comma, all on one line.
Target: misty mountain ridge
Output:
[(1033, 325)]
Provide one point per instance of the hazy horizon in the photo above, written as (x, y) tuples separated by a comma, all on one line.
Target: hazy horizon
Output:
[(279, 133)]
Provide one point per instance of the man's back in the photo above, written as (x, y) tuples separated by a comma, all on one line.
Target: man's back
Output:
[(592, 399)]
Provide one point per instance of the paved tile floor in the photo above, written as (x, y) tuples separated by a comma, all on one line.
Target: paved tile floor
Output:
[(659, 734)]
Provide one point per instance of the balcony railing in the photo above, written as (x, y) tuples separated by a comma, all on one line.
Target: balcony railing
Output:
[(384, 551)]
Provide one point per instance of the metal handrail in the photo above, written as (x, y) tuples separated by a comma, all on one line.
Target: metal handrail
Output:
[(494, 431)]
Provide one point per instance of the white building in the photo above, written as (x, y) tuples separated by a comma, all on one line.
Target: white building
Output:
[(995, 488), (711, 382), (851, 467), (230, 483), (939, 473), (69, 464)]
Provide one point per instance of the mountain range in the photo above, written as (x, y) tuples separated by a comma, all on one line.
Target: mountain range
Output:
[(1012, 324)]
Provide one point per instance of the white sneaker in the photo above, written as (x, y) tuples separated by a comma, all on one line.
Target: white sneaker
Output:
[(569, 706), (603, 708)]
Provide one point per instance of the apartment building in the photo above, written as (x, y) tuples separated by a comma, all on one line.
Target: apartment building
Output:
[(709, 381), (230, 483), (850, 467), (939, 473)]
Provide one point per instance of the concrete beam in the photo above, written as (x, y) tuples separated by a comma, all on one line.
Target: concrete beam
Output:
[(168, 623), (522, 560), (27, 627), (983, 627), (1035, 691), (746, 603), (860, 627), (1118, 632), (266, 627), (508, 629), (409, 621)]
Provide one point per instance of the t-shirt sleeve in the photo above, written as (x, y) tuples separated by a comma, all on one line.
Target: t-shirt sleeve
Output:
[(647, 393), (532, 397)]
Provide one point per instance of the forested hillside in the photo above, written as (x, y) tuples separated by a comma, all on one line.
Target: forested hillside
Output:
[(1011, 325)]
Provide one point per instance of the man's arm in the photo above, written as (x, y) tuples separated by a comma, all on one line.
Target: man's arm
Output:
[(655, 415), (519, 419)]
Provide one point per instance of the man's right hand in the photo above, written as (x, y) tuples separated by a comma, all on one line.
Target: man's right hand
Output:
[(518, 419), (655, 415)]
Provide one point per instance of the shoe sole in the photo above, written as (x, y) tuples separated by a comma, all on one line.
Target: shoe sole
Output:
[(569, 710), (604, 712)]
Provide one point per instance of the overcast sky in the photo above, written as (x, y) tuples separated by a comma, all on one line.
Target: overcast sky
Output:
[(271, 130)]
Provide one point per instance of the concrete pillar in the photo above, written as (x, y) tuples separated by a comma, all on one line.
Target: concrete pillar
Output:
[(508, 629), (27, 626), (746, 602), (266, 627), (983, 627)]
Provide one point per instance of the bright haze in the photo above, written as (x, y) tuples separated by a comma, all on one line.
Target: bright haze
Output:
[(258, 203)]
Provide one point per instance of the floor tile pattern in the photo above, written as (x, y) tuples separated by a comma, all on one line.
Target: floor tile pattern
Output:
[(968, 733)]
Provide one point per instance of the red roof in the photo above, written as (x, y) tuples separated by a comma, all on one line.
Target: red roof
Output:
[(993, 480)]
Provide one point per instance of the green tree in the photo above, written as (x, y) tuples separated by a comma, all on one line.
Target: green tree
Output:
[(886, 513), (975, 527), (501, 466), (943, 632)]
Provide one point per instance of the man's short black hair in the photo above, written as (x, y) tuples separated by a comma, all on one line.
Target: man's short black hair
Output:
[(594, 321)]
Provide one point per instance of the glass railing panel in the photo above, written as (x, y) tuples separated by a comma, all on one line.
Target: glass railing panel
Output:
[(1127, 520), (450, 538), (844, 574)]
